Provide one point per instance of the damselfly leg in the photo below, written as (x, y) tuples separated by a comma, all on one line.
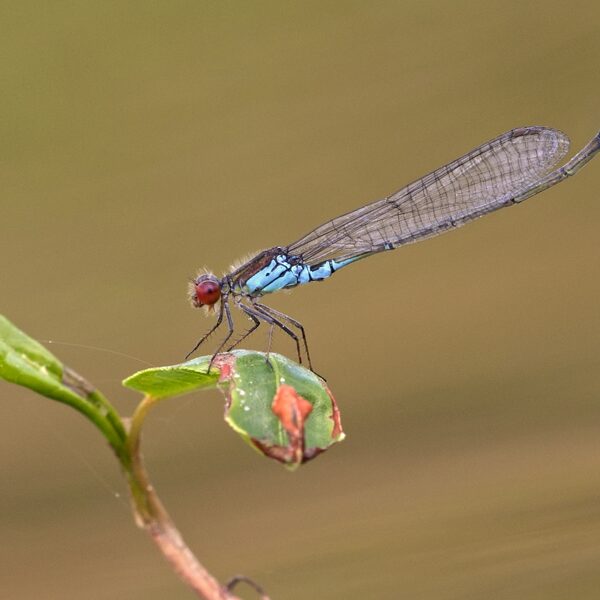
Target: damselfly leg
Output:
[(209, 333), (295, 323)]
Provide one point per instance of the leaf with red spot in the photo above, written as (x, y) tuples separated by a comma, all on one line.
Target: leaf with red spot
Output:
[(281, 409), (292, 410)]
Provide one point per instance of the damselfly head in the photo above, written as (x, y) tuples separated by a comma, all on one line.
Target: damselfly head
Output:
[(205, 291)]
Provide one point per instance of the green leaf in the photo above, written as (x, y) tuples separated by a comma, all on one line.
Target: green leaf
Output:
[(280, 408), (26, 362), (174, 380)]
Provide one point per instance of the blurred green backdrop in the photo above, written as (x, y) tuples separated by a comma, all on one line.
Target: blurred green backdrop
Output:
[(142, 140)]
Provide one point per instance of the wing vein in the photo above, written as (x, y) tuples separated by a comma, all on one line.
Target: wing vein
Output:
[(479, 182)]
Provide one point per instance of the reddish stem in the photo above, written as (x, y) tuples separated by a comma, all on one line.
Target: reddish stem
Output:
[(151, 516)]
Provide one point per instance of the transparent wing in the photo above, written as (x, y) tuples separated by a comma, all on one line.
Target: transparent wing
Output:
[(487, 178)]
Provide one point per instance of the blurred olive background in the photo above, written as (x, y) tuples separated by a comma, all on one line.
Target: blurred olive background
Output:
[(143, 140)]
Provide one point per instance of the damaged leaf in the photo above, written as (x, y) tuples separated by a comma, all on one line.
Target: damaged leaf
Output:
[(280, 408)]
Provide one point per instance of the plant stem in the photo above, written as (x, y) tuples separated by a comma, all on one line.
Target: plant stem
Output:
[(151, 516), (83, 397)]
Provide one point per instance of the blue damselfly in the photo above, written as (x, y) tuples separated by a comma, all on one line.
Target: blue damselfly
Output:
[(502, 172)]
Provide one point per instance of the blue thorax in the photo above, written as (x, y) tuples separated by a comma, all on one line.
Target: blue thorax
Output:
[(280, 273)]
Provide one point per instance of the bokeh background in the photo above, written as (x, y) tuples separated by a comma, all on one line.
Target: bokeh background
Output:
[(143, 140)]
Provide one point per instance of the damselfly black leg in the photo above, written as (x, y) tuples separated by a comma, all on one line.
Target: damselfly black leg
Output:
[(255, 326), (280, 315), (273, 320), (207, 335), (229, 333), (270, 339), (257, 322)]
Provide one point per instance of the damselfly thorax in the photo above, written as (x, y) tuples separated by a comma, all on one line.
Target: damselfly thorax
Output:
[(270, 270), (502, 172)]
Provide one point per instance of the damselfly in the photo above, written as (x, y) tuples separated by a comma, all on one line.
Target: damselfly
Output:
[(502, 172)]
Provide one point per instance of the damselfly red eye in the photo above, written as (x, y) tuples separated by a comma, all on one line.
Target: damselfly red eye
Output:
[(207, 292)]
